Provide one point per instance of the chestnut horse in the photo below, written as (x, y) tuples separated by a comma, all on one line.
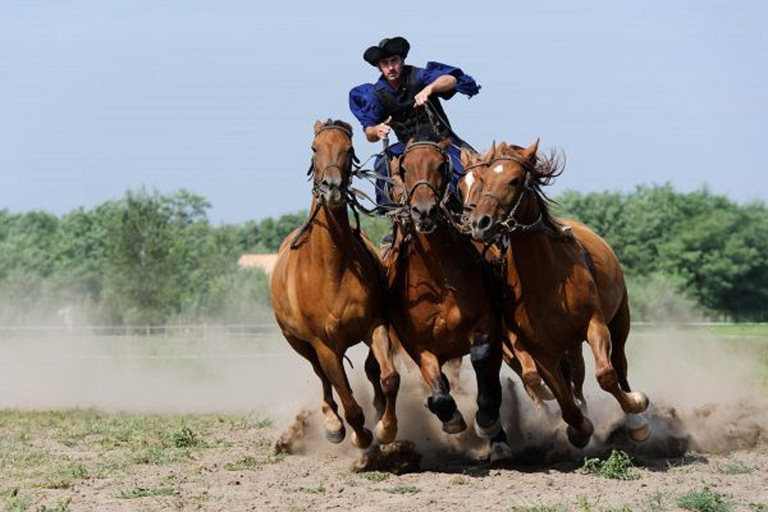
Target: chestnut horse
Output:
[(439, 307), (470, 189), (328, 294), (556, 301)]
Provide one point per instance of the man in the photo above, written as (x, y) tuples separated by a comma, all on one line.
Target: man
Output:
[(405, 98)]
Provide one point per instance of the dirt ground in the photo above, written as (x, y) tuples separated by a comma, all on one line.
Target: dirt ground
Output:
[(708, 445)]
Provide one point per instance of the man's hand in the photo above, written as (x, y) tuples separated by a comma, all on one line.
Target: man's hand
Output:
[(383, 129), (423, 95)]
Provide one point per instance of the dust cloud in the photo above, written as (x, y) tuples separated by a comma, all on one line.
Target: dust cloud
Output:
[(705, 392)]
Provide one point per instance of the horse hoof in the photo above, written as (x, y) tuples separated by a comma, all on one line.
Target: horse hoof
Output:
[(385, 435), (639, 402), (489, 432), (579, 439), (639, 428), (500, 452), (455, 425), (364, 440), (335, 436)]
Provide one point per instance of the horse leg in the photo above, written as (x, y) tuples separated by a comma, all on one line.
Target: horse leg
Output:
[(486, 360), (577, 372), (452, 369), (386, 384), (599, 338), (441, 403), (333, 367), (580, 428), (334, 426), (637, 424), (528, 372)]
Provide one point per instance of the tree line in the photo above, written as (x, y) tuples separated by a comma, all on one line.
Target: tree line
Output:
[(151, 258)]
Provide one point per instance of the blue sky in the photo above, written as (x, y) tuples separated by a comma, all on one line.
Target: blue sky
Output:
[(219, 98)]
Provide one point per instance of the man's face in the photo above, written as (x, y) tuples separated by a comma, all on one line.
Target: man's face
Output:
[(391, 67)]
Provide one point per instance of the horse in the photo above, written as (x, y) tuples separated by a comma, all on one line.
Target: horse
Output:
[(470, 188), (439, 308), (562, 288), (328, 294)]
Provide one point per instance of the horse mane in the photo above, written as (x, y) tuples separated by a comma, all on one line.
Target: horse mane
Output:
[(426, 133), (339, 123), (543, 172)]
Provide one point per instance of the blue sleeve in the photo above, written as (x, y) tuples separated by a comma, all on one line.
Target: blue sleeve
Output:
[(465, 84), (364, 105)]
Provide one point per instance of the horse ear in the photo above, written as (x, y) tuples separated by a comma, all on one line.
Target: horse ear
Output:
[(488, 156), (467, 157), (529, 153), (318, 125), (394, 166)]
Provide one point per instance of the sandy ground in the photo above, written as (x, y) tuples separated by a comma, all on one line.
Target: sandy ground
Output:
[(709, 423)]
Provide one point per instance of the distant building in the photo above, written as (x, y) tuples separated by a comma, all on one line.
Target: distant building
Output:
[(263, 261)]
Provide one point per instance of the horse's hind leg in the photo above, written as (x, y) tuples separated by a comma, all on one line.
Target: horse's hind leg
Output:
[(599, 338), (637, 424), (441, 403), (334, 426), (382, 373), (353, 413)]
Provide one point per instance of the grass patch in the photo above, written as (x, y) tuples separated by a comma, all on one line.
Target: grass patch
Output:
[(618, 466), (65, 477), (376, 476), (140, 492), (401, 489), (251, 462), (735, 468), (318, 489), (704, 500)]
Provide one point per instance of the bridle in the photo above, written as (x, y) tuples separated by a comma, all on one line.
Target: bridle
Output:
[(446, 165), (316, 187), (510, 224)]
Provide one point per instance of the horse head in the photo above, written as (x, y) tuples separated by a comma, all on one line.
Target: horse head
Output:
[(506, 173), (425, 172), (332, 160)]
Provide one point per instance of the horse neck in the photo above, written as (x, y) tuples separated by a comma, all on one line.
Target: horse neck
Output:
[(331, 231), (436, 248)]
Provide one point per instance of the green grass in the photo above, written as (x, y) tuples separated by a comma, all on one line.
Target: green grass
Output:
[(735, 468), (751, 330), (251, 462), (618, 466), (376, 476), (139, 492), (704, 500), (401, 489)]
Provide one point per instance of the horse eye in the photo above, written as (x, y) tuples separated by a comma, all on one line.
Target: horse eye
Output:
[(515, 182)]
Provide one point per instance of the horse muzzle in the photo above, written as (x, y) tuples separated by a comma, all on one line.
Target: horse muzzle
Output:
[(332, 190), (481, 227)]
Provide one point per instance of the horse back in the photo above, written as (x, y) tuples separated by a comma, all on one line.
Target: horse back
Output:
[(608, 275)]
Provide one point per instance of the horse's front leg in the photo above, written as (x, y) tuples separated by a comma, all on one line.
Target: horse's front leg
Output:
[(441, 403), (382, 373), (486, 357)]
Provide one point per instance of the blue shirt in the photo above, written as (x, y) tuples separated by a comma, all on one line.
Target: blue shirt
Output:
[(365, 105)]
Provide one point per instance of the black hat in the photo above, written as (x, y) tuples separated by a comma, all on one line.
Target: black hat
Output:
[(387, 48)]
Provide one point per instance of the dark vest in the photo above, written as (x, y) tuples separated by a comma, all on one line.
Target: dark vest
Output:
[(405, 117)]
